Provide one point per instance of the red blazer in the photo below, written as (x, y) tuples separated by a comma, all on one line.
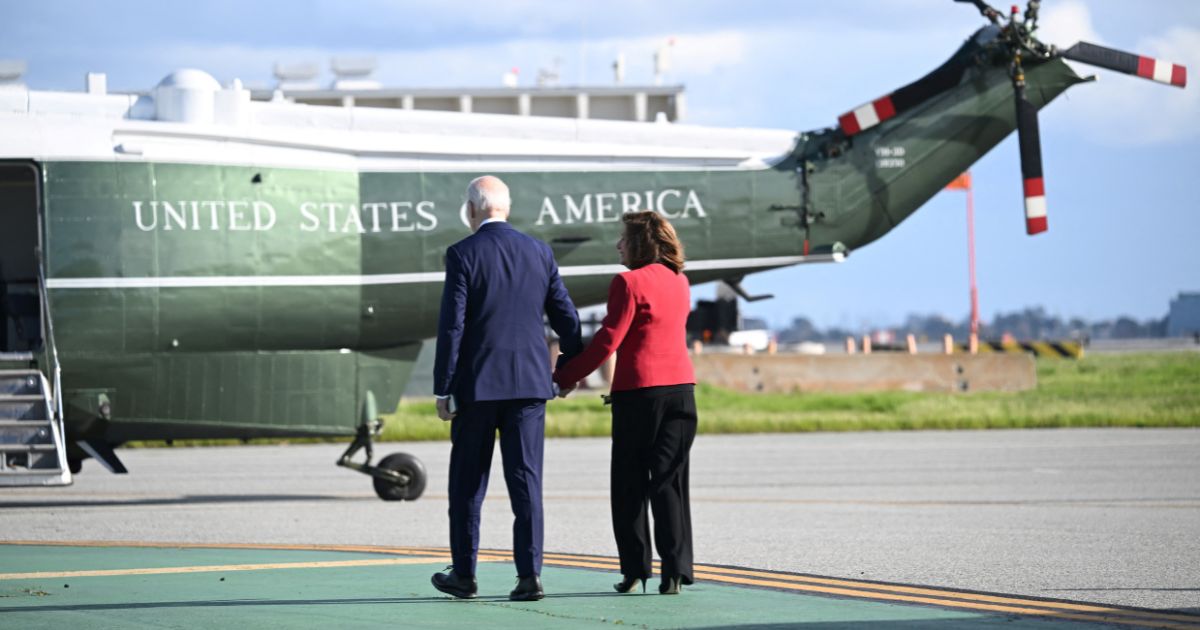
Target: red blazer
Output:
[(646, 325)]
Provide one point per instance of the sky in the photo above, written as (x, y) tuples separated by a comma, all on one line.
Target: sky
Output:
[(1121, 155)]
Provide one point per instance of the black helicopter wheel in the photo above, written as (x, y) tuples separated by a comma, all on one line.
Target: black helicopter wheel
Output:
[(408, 466)]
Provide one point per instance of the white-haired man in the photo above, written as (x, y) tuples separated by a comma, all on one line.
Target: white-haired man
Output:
[(492, 374)]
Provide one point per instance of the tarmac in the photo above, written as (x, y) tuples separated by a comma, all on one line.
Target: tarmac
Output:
[(1051, 528)]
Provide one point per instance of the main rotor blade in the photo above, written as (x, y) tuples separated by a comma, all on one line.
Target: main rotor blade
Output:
[(985, 10), (1129, 63), (870, 114), (1031, 161)]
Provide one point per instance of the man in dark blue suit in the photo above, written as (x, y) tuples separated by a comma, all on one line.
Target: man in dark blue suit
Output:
[(492, 373)]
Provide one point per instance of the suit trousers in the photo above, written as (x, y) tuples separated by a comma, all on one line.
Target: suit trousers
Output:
[(653, 431), (522, 427)]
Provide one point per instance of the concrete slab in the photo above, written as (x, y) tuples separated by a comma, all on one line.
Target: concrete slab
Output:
[(873, 372)]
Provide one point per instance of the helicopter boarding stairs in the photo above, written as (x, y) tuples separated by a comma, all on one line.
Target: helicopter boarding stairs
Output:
[(32, 450), (32, 441)]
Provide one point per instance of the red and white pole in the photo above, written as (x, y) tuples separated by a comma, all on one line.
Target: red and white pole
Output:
[(971, 261), (963, 182), (973, 341)]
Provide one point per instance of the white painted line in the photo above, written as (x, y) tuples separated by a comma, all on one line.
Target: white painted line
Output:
[(178, 282), (173, 282)]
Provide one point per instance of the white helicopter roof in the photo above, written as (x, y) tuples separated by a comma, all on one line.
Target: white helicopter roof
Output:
[(188, 117)]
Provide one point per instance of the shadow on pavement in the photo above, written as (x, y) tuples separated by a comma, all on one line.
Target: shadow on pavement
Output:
[(191, 499), (222, 603)]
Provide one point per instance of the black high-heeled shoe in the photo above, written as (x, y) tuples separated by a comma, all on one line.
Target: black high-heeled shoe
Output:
[(629, 584), (670, 585)]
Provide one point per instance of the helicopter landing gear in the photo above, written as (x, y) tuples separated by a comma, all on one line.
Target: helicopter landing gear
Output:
[(401, 465), (397, 477)]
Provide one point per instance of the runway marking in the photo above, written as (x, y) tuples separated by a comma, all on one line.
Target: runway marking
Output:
[(857, 588), (1020, 607), (412, 551), (775, 580), (221, 568)]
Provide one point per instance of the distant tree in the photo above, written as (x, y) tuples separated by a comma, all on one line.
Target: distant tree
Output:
[(931, 326), (836, 334), (1126, 328), (801, 329), (1032, 323)]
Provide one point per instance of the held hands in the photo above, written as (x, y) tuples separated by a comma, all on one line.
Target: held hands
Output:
[(562, 392), (443, 409)]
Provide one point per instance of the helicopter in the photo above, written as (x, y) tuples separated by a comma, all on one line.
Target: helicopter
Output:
[(189, 264)]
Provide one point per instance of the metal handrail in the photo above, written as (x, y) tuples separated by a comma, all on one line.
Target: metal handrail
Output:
[(50, 346)]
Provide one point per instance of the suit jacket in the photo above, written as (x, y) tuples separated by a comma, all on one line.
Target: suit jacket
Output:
[(646, 325), (491, 343)]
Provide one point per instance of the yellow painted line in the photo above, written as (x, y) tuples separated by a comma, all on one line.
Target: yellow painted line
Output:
[(865, 589), (868, 589), (173, 545), (950, 603), (916, 590), (598, 564), (222, 568), (484, 555)]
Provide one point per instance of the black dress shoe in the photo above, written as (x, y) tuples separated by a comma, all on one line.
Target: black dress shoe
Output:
[(629, 584), (529, 589), (670, 585), (454, 584)]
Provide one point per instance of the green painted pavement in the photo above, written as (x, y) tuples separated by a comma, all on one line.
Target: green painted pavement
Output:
[(400, 595)]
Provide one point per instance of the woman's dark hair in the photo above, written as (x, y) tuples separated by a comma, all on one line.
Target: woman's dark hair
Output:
[(650, 238)]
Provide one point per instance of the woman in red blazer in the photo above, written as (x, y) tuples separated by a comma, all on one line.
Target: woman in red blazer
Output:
[(653, 402)]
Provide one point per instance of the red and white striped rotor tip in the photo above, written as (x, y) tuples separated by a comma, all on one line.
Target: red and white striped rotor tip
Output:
[(1035, 206), (867, 116), (1162, 71)]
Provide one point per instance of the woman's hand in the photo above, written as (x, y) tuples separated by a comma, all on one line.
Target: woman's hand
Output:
[(563, 390)]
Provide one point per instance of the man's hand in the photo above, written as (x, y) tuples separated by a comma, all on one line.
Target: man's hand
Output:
[(563, 391), (443, 409)]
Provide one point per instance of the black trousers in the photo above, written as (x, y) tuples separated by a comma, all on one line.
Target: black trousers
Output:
[(653, 431)]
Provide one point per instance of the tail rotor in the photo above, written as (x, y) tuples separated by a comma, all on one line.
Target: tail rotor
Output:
[(1013, 44), (1017, 36)]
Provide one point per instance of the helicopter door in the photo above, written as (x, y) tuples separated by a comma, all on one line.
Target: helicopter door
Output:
[(20, 306)]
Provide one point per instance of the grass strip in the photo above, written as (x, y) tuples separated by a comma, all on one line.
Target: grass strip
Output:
[(1107, 390), (1113, 390)]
